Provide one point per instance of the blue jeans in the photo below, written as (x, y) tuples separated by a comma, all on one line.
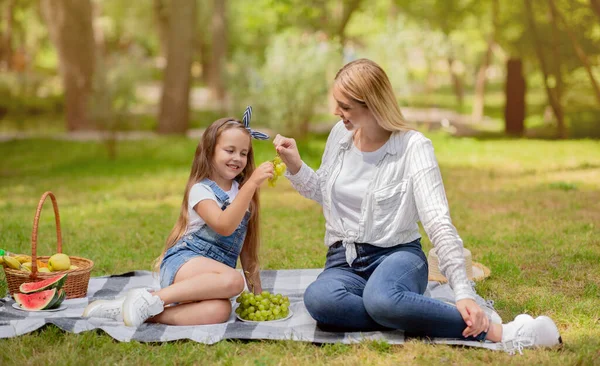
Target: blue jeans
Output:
[(383, 289)]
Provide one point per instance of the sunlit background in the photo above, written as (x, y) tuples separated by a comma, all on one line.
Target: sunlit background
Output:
[(133, 68)]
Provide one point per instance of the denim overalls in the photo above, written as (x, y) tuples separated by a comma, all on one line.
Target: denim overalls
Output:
[(205, 242)]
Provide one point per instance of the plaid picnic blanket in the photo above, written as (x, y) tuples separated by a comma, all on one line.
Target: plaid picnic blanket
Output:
[(291, 283)]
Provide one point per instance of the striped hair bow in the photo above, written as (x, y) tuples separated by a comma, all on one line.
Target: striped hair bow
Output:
[(246, 121)]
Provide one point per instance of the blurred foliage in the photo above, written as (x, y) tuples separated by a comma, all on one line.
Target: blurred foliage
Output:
[(286, 90), (272, 58)]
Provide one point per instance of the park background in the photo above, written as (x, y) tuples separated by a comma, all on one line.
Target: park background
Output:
[(103, 101)]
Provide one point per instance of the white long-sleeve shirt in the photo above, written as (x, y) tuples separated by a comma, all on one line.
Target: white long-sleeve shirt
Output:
[(406, 188)]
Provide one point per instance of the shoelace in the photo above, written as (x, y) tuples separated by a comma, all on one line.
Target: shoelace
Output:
[(517, 345), (144, 309), (113, 313)]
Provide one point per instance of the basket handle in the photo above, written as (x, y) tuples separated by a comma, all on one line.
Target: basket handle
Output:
[(34, 233)]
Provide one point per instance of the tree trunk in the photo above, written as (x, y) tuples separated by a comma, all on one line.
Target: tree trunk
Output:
[(7, 46), (161, 16), (552, 97), (204, 49), (595, 4), (175, 99), (70, 27), (578, 49), (456, 82), (203, 40), (556, 59), (514, 108), (219, 51), (349, 7), (479, 100)]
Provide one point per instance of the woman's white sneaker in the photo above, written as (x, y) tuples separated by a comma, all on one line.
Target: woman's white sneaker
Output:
[(139, 306), (109, 309), (525, 332)]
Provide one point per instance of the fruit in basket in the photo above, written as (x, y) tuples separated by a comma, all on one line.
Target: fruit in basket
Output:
[(262, 307), (12, 262), (26, 265), (55, 282), (22, 258), (41, 264), (43, 300), (73, 267), (44, 270), (59, 262)]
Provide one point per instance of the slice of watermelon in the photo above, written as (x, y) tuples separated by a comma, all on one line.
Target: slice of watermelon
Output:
[(54, 282), (36, 301), (58, 299)]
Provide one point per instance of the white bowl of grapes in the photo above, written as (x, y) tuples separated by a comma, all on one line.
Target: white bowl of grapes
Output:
[(263, 307)]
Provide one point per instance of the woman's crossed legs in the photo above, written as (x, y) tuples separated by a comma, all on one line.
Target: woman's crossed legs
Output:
[(391, 297)]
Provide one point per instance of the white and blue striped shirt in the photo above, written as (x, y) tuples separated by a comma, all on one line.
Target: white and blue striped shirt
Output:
[(406, 188)]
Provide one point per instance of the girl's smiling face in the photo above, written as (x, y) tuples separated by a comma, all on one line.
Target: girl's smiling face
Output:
[(230, 156)]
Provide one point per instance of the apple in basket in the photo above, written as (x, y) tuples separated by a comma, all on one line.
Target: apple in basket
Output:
[(42, 295)]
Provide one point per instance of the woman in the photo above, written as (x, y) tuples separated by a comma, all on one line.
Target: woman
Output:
[(377, 179)]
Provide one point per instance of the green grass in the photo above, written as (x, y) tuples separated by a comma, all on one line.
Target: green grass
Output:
[(528, 209)]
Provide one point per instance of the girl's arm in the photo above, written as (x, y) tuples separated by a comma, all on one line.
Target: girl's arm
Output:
[(224, 222), (251, 272)]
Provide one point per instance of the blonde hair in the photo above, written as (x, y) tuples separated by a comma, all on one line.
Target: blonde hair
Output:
[(201, 169), (366, 83)]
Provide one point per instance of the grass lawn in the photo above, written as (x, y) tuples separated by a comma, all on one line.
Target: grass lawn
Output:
[(528, 209)]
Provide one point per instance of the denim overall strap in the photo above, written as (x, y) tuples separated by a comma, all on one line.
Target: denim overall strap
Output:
[(219, 193), (209, 243)]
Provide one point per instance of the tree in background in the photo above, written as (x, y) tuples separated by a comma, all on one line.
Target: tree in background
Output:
[(174, 104), (216, 78), (70, 27), (595, 4), (480, 83)]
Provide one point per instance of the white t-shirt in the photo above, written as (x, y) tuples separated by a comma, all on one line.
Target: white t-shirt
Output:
[(200, 192), (350, 187)]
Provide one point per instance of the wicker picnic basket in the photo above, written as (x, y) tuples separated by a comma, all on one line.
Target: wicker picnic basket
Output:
[(77, 279)]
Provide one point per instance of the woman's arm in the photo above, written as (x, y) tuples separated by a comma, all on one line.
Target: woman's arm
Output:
[(303, 178), (434, 214)]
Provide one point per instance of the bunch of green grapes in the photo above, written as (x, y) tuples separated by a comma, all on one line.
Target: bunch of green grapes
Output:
[(263, 307), (279, 170)]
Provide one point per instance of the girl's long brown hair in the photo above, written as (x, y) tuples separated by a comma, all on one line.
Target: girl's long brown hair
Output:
[(201, 169)]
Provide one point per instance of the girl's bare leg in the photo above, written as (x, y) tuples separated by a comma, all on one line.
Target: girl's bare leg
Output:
[(202, 287), (202, 279), (195, 313)]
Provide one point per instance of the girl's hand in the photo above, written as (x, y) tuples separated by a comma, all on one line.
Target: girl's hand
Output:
[(288, 151), (262, 173), (475, 318)]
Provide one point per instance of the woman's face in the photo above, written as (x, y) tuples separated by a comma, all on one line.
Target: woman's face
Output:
[(354, 114)]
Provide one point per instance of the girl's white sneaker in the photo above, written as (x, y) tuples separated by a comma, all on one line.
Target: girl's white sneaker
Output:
[(139, 306), (109, 309)]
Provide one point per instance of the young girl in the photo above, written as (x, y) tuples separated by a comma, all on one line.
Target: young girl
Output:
[(218, 222)]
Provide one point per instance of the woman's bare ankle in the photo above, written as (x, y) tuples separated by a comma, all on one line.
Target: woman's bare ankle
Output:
[(495, 333)]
